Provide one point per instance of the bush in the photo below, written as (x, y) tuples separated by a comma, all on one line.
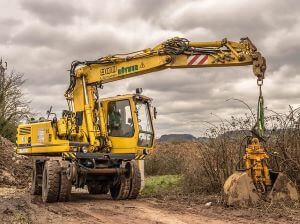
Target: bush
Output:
[(204, 166), (8, 130), (13, 105), (166, 159), (284, 143), (208, 165)]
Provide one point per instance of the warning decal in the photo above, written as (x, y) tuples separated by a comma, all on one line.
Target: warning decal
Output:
[(199, 59)]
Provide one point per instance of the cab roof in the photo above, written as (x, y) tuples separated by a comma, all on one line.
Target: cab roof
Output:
[(126, 96)]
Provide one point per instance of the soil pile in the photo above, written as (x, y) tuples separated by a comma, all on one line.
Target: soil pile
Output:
[(15, 170)]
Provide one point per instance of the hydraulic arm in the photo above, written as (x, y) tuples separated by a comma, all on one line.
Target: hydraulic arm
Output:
[(174, 53)]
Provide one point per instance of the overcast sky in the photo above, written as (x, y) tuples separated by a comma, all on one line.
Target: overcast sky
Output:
[(40, 38)]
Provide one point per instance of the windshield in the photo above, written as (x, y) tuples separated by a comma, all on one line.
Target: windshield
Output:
[(145, 125)]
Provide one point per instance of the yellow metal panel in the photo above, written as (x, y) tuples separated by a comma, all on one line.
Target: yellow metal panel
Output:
[(44, 149), (111, 72)]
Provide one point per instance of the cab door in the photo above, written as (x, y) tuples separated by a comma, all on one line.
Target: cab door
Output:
[(120, 125)]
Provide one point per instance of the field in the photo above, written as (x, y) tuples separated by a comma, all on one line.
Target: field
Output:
[(154, 206), (183, 185)]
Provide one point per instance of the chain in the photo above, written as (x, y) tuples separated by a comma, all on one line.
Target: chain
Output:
[(259, 127), (176, 46)]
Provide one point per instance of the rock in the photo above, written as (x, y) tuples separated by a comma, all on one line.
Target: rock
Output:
[(240, 191), (208, 204), (283, 190)]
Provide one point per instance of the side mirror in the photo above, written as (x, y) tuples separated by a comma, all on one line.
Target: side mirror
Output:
[(154, 112)]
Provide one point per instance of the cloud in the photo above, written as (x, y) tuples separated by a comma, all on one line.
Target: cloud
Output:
[(53, 12), (7, 26), (38, 35), (44, 37)]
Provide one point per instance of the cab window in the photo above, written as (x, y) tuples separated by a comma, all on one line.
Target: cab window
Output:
[(146, 133), (119, 119)]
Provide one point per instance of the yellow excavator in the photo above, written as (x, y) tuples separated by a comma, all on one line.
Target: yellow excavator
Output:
[(98, 142)]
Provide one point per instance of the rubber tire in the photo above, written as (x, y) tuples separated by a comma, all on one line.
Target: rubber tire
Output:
[(98, 189), (65, 185), (120, 191), (51, 181), (36, 187), (135, 182)]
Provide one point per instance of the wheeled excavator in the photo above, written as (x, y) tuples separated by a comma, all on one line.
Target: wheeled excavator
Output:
[(98, 142)]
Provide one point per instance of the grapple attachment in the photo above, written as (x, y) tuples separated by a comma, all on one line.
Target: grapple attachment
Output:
[(258, 181), (240, 190)]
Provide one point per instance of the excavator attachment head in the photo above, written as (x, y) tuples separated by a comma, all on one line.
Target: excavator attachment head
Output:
[(241, 191), (258, 181)]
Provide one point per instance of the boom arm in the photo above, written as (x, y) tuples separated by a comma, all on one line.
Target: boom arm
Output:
[(174, 53)]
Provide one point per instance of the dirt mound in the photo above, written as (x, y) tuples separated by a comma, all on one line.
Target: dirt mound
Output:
[(15, 170)]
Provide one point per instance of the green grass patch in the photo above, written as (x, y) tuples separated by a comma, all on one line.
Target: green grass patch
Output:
[(162, 185)]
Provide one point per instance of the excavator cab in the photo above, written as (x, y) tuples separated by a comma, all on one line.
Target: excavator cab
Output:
[(129, 124)]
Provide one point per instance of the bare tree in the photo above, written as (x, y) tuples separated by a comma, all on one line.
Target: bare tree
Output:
[(13, 105)]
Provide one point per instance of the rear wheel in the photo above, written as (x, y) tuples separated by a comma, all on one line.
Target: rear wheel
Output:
[(51, 181), (65, 184), (36, 181)]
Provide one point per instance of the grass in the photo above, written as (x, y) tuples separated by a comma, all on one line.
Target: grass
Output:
[(162, 185)]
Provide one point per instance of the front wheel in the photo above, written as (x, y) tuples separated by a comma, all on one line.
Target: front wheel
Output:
[(135, 182), (120, 190)]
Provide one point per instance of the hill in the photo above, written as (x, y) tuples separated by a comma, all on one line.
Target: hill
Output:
[(177, 138)]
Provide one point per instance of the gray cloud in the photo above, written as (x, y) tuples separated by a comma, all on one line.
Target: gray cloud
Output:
[(53, 12), (7, 25), (38, 35), (44, 37), (152, 9)]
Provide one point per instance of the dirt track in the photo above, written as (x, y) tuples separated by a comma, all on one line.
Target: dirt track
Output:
[(20, 207), (100, 209), (86, 208)]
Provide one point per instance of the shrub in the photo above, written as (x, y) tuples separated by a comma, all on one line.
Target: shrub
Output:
[(166, 159), (204, 166)]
